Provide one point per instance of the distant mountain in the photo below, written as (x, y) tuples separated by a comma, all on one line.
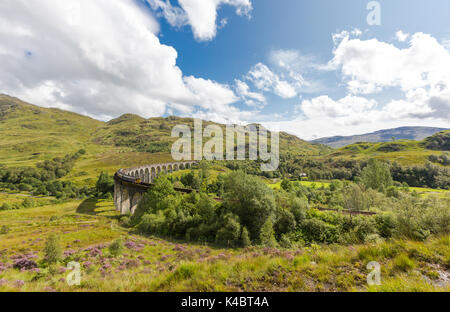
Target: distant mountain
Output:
[(402, 133)]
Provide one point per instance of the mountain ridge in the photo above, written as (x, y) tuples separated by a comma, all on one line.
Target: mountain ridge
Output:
[(416, 133)]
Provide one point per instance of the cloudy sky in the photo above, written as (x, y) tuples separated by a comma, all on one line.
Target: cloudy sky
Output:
[(313, 68)]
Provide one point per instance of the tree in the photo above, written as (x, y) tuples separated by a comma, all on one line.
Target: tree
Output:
[(52, 249), (116, 248), (228, 234), (153, 200), (285, 221), (245, 239), (286, 185), (105, 184), (267, 235), (250, 199), (376, 175), (187, 179), (355, 199)]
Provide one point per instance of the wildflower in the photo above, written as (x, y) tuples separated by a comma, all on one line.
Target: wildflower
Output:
[(19, 283), (87, 264), (24, 264)]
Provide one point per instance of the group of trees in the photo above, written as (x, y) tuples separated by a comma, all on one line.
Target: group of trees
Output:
[(104, 188), (27, 202), (428, 175), (42, 180), (252, 213), (443, 159)]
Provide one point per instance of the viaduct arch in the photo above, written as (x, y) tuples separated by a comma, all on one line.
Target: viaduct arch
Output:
[(132, 183)]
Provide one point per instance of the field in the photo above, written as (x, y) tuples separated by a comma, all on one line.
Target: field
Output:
[(422, 191), (315, 184), (404, 152), (88, 227)]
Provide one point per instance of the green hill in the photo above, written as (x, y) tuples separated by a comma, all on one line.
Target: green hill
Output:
[(406, 152), (154, 135), (440, 141), (30, 134)]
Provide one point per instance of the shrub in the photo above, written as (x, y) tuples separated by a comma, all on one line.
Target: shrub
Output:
[(28, 203), (403, 263), (373, 239), (286, 185), (52, 249), (5, 206), (362, 227), (267, 235), (228, 234), (285, 222), (152, 223), (125, 221), (385, 224), (4, 229), (185, 271), (285, 241), (245, 239), (318, 231), (392, 191), (117, 247)]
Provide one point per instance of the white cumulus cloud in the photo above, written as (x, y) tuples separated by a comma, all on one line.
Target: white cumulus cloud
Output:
[(265, 79), (102, 58), (201, 15), (401, 36)]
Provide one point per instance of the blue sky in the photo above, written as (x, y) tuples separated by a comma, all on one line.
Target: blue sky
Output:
[(305, 26), (312, 68)]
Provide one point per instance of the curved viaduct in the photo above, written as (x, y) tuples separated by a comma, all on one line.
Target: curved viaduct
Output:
[(131, 184)]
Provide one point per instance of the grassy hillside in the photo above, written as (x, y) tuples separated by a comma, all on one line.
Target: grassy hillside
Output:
[(86, 229), (154, 135), (440, 141), (30, 134), (406, 152)]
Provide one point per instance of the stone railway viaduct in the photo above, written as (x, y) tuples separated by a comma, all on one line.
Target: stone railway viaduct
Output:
[(131, 184)]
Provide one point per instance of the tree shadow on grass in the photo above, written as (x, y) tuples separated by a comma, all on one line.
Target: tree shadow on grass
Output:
[(92, 207)]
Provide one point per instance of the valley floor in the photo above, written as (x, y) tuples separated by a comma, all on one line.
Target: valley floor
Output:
[(86, 229)]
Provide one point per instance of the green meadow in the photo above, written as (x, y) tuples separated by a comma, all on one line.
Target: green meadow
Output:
[(156, 264), (306, 250)]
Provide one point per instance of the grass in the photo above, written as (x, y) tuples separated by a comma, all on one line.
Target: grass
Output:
[(426, 192), (404, 152), (312, 184), (422, 191), (86, 228), (153, 264)]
